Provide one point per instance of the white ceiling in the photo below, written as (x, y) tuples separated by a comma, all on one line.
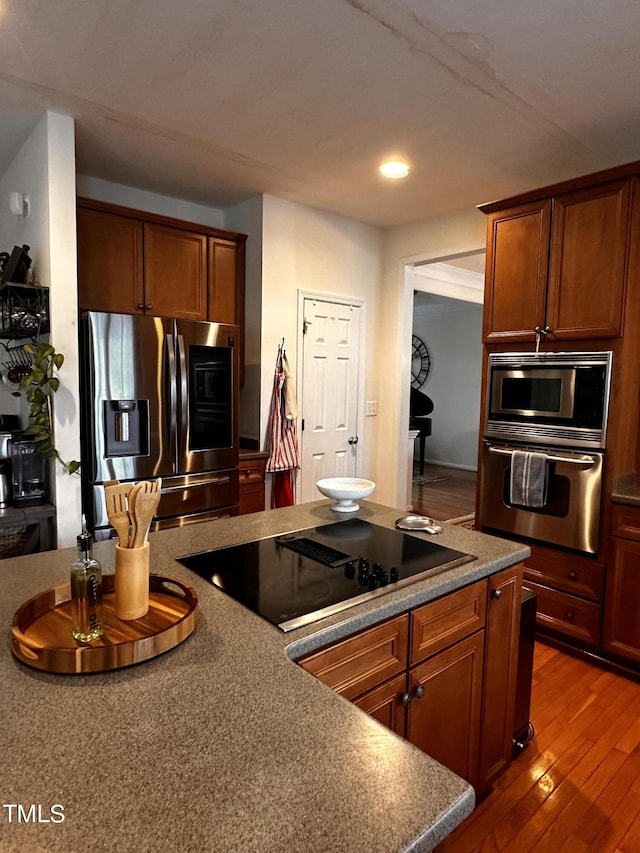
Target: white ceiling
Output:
[(216, 100)]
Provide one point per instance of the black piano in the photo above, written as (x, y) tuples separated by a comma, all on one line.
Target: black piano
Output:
[(420, 407)]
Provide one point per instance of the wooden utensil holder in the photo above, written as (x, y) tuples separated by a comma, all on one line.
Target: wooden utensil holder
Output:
[(132, 582)]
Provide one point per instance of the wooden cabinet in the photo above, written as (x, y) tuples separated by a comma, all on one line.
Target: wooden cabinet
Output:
[(621, 631), (363, 661), (175, 273), (134, 262), (385, 704), (558, 265), (500, 680), (570, 591), (226, 281), (443, 714), (443, 675), (110, 257), (516, 272), (251, 474)]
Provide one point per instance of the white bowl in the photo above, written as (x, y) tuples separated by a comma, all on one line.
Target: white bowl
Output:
[(343, 490)]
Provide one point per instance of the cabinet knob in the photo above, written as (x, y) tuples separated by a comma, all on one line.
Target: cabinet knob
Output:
[(572, 576), (406, 698), (419, 691), (148, 307), (569, 616), (140, 306), (497, 593)]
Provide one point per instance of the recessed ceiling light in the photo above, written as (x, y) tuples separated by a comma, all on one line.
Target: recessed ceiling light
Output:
[(395, 169)]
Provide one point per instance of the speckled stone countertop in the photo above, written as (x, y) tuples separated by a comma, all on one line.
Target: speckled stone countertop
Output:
[(222, 744), (626, 490)]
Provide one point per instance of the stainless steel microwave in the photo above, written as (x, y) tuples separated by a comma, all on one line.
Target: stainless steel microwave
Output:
[(551, 398)]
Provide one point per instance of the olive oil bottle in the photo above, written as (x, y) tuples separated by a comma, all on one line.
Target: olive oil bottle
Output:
[(86, 591)]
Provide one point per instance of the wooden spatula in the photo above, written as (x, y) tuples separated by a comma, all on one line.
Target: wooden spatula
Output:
[(116, 496), (145, 500)]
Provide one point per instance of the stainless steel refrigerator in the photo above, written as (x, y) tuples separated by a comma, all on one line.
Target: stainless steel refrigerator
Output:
[(159, 398)]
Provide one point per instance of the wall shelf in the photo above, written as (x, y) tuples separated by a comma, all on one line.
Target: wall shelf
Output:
[(24, 311)]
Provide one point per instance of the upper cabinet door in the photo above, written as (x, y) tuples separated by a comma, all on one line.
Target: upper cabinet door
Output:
[(175, 272), (226, 281), (109, 262), (588, 262), (516, 272)]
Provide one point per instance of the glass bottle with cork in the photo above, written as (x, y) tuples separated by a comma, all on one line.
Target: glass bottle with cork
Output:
[(86, 590)]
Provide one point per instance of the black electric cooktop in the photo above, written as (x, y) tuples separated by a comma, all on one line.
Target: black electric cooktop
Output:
[(297, 578)]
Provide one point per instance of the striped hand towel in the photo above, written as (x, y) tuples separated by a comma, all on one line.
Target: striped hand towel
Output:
[(529, 482)]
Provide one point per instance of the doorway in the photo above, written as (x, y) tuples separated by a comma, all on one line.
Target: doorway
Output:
[(330, 390), (447, 321)]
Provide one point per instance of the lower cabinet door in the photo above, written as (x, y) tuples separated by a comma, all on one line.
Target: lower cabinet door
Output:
[(445, 706), (385, 704), (621, 633), (500, 674)]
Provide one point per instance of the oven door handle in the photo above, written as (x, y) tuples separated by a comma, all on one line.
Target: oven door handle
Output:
[(574, 460)]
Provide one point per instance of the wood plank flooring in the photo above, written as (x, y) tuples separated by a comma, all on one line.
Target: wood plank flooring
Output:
[(453, 497), (576, 787)]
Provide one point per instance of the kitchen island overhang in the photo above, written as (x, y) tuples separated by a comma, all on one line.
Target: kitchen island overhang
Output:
[(224, 743)]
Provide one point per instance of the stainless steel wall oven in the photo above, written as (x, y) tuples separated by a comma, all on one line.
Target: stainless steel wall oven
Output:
[(547, 410)]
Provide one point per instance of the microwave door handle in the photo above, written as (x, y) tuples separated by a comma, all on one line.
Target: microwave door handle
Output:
[(183, 386), (173, 406), (574, 460)]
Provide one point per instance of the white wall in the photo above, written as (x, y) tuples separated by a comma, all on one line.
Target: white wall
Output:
[(27, 174), (311, 250), (454, 339), (64, 316), (428, 240), (246, 219), (44, 169), (107, 191)]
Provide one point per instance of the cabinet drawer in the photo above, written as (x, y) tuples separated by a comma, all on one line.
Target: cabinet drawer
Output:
[(251, 471), (566, 572), (625, 522), (364, 661), (441, 623), (568, 615)]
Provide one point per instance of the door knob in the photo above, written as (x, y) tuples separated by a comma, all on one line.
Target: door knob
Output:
[(353, 439)]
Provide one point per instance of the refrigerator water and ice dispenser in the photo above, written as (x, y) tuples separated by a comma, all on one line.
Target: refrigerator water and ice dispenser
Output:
[(126, 427)]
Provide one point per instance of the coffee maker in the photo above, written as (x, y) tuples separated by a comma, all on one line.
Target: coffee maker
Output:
[(27, 472)]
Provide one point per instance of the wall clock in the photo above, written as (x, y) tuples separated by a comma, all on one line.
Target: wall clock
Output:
[(420, 362)]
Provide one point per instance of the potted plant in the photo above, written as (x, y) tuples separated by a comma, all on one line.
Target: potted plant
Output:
[(40, 384)]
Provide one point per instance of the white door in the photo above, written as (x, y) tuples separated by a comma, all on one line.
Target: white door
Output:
[(330, 370)]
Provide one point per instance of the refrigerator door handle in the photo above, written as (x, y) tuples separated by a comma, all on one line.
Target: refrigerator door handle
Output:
[(184, 416), (173, 403)]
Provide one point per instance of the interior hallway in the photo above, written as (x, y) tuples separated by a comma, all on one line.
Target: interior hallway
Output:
[(451, 497)]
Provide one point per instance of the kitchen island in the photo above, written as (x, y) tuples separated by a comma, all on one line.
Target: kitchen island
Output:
[(223, 743)]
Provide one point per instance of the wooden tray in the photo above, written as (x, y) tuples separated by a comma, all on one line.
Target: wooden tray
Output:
[(41, 628)]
